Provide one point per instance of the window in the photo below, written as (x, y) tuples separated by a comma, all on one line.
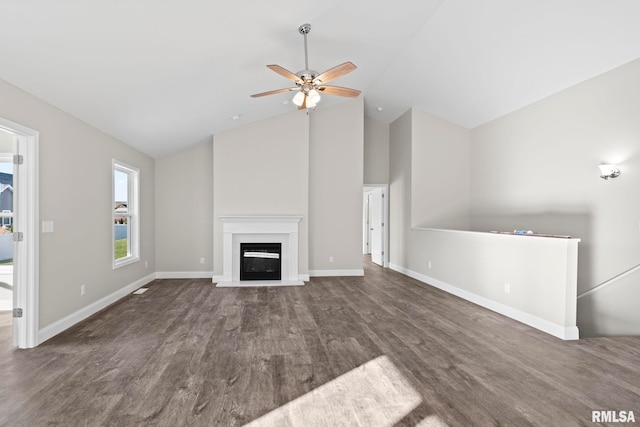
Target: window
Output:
[(125, 220)]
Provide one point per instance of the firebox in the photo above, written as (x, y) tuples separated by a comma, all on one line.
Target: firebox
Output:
[(260, 261)]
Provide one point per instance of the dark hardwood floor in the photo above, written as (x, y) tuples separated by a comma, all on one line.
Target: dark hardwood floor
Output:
[(188, 353)]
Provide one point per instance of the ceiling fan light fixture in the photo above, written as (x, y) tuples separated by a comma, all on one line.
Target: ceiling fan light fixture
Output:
[(298, 99), (310, 103), (314, 96)]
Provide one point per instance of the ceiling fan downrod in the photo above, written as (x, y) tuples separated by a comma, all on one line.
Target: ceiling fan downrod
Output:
[(304, 30)]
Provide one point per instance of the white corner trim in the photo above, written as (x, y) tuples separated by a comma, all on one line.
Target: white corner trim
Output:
[(184, 274), (336, 273), (559, 331), (55, 328)]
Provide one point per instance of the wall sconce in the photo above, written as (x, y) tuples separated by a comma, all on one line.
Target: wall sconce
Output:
[(609, 171)]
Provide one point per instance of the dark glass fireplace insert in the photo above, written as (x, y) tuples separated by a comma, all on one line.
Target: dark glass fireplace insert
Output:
[(260, 261)]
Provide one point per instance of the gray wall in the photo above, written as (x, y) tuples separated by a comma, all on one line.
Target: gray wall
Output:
[(6, 142), (263, 169), (297, 164), (475, 266), (400, 188), (75, 193), (440, 167), (537, 168), (184, 211), (335, 188), (376, 152)]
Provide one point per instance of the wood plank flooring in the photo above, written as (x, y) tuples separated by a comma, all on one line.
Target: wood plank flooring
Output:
[(188, 353)]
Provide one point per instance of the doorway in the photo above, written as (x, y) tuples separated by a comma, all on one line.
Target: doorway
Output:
[(375, 223), (6, 221), (19, 160)]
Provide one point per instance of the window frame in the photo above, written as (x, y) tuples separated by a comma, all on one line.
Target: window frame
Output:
[(133, 213)]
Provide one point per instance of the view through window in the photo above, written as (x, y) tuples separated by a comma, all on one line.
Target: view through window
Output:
[(125, 218)]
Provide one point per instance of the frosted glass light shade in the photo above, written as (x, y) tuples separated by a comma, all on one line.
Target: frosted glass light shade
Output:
[(314, 96), (298, 99)]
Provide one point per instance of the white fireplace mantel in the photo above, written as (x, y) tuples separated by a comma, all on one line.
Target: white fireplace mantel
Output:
[(259, 229)]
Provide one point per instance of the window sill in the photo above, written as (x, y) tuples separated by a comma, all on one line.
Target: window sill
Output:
[(122, 262)]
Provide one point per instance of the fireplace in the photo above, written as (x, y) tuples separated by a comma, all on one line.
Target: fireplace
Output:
[(264, 231), (260, 261)]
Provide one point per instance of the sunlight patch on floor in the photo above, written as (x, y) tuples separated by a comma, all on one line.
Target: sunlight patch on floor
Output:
[(373, 394), (432, 421)]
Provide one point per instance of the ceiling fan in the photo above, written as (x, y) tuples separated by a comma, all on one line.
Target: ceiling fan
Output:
[(309, 83)]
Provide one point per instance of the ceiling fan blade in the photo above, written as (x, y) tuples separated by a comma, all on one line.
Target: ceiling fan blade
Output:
[(340, 91), (335, 72), (273, 92), (284, 72)]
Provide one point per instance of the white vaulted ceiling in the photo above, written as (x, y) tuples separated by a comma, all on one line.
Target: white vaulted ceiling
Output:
[(162, 75)]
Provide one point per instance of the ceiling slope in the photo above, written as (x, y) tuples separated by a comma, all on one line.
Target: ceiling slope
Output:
[(165, 75)]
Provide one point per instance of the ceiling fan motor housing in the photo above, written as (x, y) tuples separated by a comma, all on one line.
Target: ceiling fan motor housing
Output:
[(306, 80)]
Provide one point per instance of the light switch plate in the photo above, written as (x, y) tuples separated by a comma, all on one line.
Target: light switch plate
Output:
[(47, 226)]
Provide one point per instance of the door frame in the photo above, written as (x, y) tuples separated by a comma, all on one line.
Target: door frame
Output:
[(26, 217), (385, 219)]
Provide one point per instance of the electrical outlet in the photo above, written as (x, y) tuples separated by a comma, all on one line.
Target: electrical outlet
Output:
[(330, 259), (146, 264), (507, 288), (429, 264), (202, 260), (83, 290)]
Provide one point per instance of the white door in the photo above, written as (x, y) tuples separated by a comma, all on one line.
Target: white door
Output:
[(25, 233), (376, 226)]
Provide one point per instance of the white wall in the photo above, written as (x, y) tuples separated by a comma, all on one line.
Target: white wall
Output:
[(263, 169), (335, 189), (75, 193), (184, 212), (376, 152)]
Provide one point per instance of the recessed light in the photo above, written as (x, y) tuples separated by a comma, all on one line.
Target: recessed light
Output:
[(236, 117), (380, 109)]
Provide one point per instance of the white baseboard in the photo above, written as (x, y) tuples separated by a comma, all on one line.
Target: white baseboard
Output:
[(184, 274), (55, 328), (336, 273), (559, 331)]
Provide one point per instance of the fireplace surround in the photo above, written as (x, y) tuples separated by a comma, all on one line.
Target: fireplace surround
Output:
[(259, 229)]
